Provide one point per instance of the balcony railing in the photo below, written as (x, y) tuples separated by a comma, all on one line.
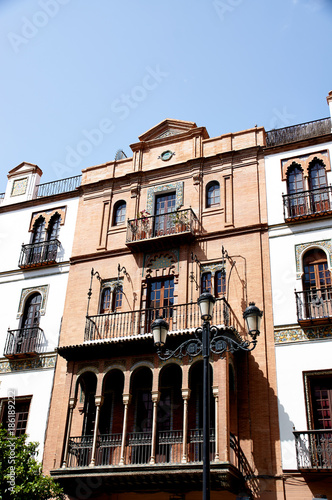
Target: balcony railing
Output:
[(314, 449), (37, 254), (298, 132), (169, 447), (314, 304), (58, 187), (308, 203), (180, 317), (181, 222), (23, 342)]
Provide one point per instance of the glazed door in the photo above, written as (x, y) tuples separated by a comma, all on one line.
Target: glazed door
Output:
[(164, 221)]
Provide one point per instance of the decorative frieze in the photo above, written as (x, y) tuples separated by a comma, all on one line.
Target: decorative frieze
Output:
[(38, 363), (288, 335)]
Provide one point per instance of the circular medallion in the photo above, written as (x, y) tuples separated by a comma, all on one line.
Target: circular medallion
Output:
[(166, 155)]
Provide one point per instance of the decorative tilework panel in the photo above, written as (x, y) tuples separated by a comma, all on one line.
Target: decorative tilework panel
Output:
[(42, 362), (43, 290), (175, 186), (302, 335), (19, 187), (300, 249)]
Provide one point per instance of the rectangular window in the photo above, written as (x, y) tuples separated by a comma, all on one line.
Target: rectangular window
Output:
[(14, 415)]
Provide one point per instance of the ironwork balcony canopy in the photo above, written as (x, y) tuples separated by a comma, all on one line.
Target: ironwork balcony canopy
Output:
[(308, 204), (181, 225), (24, 342), (39, 254), (134, 324)]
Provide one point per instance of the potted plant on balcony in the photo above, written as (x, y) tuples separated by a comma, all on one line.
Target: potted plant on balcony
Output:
[(143, 217), (181, 220)]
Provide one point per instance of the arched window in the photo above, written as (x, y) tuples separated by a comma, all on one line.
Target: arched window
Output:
[(31, 313), (26, 341), (54, 227), (213, 194), (119, 213), (318, 187), (111, 300), (295, 188), (105, 302), (215, 284), (38, 234), (51, 248)]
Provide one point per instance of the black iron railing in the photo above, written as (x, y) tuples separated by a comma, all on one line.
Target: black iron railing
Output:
[(155, 226), (169, 447), (36, 254), (108, 449), (58, 187), (138, 447), (298, 132), (195, 442), (306, 203), (314, 449), (132, 323), (79, 451), (23, 342), (314, 304)]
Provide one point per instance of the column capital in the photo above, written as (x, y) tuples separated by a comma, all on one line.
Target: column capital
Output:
[(126, 398), (72, 403), (155, 395), (215, 391), (186, 393), (99, 400)]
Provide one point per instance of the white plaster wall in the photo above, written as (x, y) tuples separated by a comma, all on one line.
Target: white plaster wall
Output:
[(10, 293), (292, 360), (283, 264), (38, 384), (14, 230), (275, 187)]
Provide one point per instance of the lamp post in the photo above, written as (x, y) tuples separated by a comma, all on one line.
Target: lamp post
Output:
[(217, 340)]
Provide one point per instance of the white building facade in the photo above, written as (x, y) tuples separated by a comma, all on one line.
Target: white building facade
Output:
[(299, 201), (37, 223)]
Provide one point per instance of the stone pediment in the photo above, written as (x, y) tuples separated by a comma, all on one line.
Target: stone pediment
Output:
[(23, 169), (167, 128)]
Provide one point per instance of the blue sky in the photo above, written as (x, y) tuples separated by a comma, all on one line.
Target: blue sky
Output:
[(81, 79)]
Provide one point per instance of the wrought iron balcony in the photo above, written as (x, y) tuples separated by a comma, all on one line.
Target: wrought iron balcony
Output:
[(181, 317), (307, 204), (25, 342), (169, 448), (181, 225), (39, 254), (314, 305), (298, 132), (314, 449)]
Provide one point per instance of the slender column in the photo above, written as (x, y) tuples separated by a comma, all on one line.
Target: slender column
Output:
[(72, 404), (98, 401), (206, 410), (185, 396), (126, 401), (155, 400), (216, 430)]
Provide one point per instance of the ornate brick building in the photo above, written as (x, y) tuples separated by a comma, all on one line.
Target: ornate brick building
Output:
[(185, 213)]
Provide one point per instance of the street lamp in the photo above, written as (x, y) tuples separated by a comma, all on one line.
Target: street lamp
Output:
[(217, 340)]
